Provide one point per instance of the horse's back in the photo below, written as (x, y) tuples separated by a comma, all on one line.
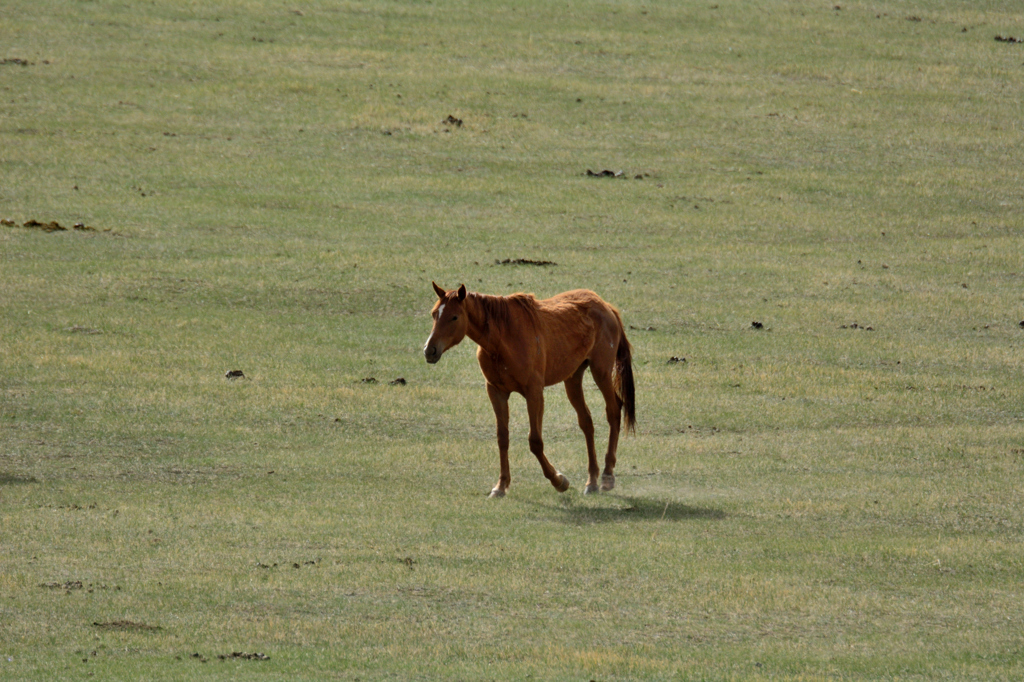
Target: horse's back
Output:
[(571, 308), (583, 300), (577, 326), (601, 312)]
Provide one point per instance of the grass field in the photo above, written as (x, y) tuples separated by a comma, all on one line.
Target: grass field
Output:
[(833, 493)]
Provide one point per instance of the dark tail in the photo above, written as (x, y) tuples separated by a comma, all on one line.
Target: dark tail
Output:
[(624, 380)]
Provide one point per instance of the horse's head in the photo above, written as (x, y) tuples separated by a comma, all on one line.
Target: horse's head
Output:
[(450, 322)]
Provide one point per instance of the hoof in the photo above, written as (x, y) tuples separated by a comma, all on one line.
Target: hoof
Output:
[(591, 488), (607, 482), (496, 493), (563, 483)]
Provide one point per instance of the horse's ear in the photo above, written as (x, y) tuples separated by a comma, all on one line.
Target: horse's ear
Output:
[(462, 293), (440, 292)]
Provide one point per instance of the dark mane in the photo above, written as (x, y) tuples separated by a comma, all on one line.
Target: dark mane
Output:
[(502, 312)]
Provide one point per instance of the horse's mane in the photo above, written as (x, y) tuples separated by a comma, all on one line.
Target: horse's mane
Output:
[(503, 312)]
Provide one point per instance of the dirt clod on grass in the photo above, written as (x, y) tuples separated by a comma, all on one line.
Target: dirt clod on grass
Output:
[(604, 174), (523, 261), (452, 121), (1009, 39), (241, 655), (52, 226), (234, 374), (126, 625), (67, 585), (294, 564)]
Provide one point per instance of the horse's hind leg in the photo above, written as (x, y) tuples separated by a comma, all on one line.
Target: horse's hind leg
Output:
[(574, 389), (613, 411)]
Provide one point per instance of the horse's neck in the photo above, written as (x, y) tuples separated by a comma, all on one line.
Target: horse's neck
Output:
[(481, 329)]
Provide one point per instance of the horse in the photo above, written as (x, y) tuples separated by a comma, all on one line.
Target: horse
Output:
[(524, 345)]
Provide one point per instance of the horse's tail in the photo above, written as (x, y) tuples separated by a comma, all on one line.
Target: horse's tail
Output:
[(624, 379)]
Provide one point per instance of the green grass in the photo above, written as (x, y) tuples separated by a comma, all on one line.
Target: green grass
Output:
[(274, 186)]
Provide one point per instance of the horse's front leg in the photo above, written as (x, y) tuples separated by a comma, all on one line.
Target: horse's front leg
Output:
[(499, 400), (535, 409)]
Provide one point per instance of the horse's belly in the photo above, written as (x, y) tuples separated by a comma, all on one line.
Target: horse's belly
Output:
[(564, 359), (558, 374)]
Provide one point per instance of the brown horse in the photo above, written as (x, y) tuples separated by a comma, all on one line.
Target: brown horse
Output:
[(525, 345)]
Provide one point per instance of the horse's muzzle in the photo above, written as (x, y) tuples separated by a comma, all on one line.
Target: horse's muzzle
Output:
[(432, 354)]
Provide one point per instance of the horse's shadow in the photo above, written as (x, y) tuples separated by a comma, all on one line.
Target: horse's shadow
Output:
[(629, 509)]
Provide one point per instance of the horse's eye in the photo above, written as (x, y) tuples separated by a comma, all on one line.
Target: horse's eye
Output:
[(454, 318)]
